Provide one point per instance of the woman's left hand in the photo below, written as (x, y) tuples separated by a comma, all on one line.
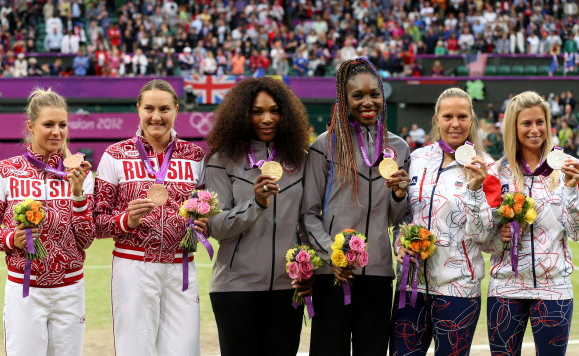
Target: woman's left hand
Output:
[(571, 172), (201, 225), (478, 172), (76, 176), (399, 182), (304, 287)]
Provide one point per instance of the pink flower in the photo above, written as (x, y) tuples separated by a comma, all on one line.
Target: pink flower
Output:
[(357, 244), (191, 204), (203, 208), (306, 270), (351, 256), (302, 256), (293, 270), (362, 258), (204, 195)]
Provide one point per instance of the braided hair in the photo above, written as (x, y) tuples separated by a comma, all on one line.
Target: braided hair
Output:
[(340, 131)]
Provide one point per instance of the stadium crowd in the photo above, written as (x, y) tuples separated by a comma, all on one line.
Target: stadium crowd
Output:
[(293, 37)]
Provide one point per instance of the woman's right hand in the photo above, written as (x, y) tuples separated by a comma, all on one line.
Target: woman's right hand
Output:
[(343, 274), (403, 251), (136, 209), (505, 233), (264, 187), (20, 236)]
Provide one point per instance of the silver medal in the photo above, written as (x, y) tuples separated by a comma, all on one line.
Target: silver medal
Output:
[(556, 159), (464, 154)]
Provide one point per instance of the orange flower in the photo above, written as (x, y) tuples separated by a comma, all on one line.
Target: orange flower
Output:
[(519, 198), (416, 246), (423, 233), (518, 207), (508, 212), (425, 243), (424, 255), (349, 231), (35, 205)]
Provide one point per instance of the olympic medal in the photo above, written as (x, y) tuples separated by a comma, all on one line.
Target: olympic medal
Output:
[(273, 169), (387, 167), (464, 154), (158, 194), (73, 161), (556, 159)]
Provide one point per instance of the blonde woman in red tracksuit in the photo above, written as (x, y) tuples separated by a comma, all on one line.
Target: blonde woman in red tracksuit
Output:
[(48, 317), (152, 314)]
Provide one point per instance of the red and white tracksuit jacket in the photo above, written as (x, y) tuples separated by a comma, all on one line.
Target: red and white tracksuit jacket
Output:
[(121, 178), (66, 232)]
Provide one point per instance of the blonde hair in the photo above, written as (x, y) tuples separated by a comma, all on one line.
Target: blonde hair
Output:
[(40, 99), (473, 135), (525, 100)]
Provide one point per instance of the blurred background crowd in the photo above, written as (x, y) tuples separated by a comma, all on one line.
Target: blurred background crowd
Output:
[(290, 37)]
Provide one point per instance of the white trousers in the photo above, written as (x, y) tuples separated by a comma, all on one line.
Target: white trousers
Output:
[(150, 312), (50, 321)]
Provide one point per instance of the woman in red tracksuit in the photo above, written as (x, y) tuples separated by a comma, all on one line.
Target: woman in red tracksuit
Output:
[(45, 315)]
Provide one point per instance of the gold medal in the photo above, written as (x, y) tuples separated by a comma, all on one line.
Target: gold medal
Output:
[(158, 194), (273, 169), (387, 167), (73, 161)]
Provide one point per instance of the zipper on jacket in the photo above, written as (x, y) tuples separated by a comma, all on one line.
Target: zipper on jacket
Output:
[(468, 260), (235, 250), (369, 210), (421, 184), (331, 223), (273, 242), (533, 240), (440, 169)]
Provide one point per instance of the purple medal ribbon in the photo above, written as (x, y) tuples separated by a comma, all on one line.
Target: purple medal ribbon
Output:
[(514, 246), (542, 170), (201, 238), (446, 148), (309, 306), (362, 145), (45, 167), (347, 293), (28, 263), (162, 172), (404, 278), (256, 164), (414, 294)]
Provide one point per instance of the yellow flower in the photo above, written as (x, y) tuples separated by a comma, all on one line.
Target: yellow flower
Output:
[(290, 254), (339, 242), (530, 216), (183, 211), (531, 202), (339, 259)]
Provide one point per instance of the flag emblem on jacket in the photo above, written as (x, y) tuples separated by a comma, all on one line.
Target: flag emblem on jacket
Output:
[(210, 89)]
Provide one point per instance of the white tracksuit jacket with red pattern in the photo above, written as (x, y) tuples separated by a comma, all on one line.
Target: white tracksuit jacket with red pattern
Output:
[(66, 232), (121, 178)]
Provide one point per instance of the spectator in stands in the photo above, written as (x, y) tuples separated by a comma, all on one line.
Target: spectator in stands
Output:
[(437, 69), (34, 69), (452, 44), (440, 49), (300, 63), (490, 114), (238, 63), (140, 62), (20, 66), (417, 135), (280, 64), (56, 69), (114, 62), (114, 35), (569, 116), (53, 40), (567, 138), (101, 60), (209, 64), (494, 141), (186, 62), (80, 63), (567, 98), (70, 43), (466, 41)]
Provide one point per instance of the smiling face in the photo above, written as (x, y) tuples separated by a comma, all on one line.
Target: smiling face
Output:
[(531, 129), (364, 98), (49, 130), (157, 113), (454, 120), (265, 117)]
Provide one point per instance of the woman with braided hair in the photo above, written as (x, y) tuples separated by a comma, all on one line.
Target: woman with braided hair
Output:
[(342, 182)]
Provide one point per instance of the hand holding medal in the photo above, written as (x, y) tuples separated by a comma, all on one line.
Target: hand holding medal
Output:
[(77, 169), (571, 171)]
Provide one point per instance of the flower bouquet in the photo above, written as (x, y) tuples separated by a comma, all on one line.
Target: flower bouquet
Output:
[(202, 204), (302, 261), (420, 240), (349, 251), (516, 209), (29, 213)]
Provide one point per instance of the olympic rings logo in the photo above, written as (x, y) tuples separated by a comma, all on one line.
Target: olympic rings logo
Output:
[(201, 121)]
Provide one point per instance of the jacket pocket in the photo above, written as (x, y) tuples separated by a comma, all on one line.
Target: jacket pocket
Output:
[(235, 250)]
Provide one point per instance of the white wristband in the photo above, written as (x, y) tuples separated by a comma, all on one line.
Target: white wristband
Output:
[(79, 198)]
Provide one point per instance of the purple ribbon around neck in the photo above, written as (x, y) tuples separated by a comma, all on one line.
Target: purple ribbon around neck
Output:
[(378, 143), (60, 172), (162, 172), (514, 246), (309, 306), (28, 263), (404, 279), (347, 293), (446, 148), (256, 164), (542, 170)]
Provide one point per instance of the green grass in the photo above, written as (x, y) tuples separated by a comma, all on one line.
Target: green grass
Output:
[(98, 340)]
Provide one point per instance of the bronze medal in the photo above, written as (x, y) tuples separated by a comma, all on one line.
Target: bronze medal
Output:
[(74, 160), (158, 194)]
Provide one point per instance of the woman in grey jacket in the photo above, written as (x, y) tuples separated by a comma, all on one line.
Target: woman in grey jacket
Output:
[(260, 120), (344, 190)]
